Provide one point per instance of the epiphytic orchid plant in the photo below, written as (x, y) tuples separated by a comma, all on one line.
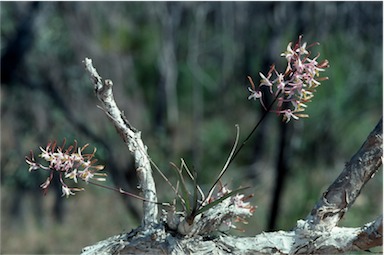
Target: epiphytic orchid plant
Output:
[(293, 90)]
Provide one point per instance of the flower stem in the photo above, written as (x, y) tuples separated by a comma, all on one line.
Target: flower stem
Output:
[(244, 142), (121, 191), (254, 128)]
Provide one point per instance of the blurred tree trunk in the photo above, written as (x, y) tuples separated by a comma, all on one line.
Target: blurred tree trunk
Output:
[(194, 54), (169, 15), (284, 146), (13, 55)]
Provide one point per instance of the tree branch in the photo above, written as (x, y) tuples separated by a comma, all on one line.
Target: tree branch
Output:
[(371, 235), (343, 192), (337, 241), (132, 138)]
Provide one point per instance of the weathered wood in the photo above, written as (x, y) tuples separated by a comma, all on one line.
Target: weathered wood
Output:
[(132, 138)]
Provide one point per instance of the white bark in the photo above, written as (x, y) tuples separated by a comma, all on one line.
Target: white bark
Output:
[(300, 241), (318, 233), (132, 138)]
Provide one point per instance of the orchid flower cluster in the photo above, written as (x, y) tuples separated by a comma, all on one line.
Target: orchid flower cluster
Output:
[(70, 164), (296, 86)]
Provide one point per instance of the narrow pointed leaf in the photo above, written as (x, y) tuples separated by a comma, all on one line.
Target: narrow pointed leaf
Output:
[(216, 202)]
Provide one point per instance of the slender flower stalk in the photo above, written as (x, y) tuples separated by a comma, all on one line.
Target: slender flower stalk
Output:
[(296, 86)]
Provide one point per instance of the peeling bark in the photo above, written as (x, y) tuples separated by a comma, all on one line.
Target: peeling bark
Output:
[(300, 241), (343, 192), (132, 138)]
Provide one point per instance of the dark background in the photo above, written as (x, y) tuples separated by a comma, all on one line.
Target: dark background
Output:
[(180, 75)]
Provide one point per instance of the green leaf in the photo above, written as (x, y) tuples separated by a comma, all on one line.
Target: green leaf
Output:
[(185, 193), (195, 196)]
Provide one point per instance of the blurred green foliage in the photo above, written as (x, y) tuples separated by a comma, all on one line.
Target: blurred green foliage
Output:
[(202, 53)]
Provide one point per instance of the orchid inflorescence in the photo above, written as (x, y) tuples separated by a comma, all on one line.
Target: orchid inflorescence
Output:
[(69, 163), (296, 86)]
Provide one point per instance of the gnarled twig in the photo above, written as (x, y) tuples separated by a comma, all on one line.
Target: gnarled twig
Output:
[(132, 138)]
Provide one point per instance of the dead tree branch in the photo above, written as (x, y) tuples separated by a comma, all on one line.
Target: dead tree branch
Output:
[(343, 192), (132, 138)]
